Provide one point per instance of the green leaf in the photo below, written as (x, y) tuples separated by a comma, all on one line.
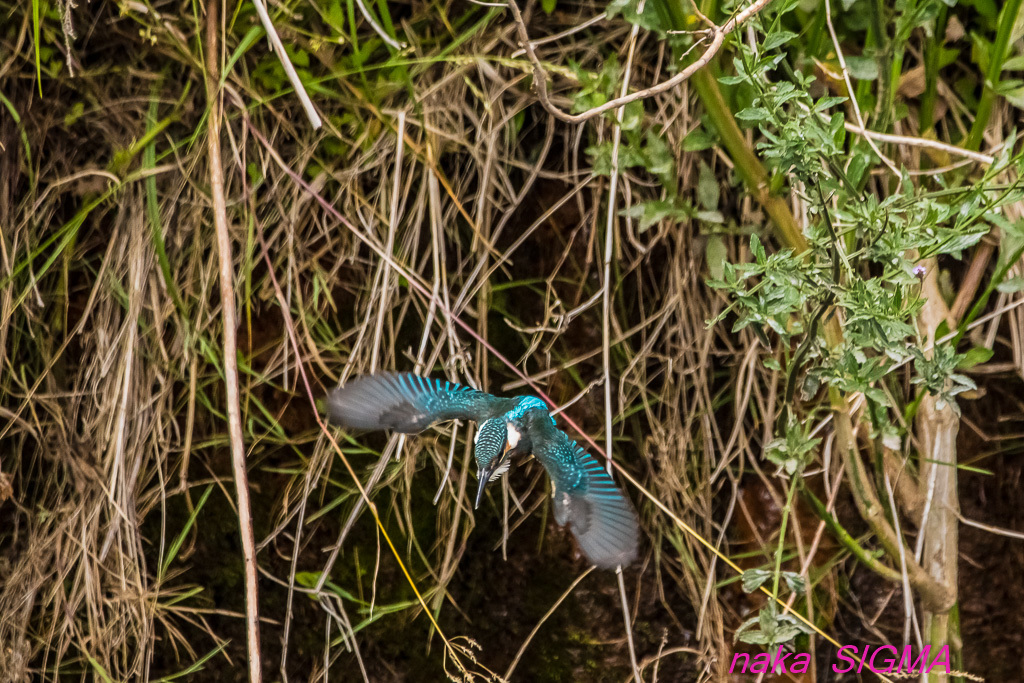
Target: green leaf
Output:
[(654, 211), (744, 627), (862, 68), (707, 188), (948, 55), (1008, 85), (753, 114), (252, 170), (632, 115), (858, 165), (836, 125), (548, 6), (975, 356), (77, 109), (649, 19), (1011, 285), (987, 9), (827, 103), (980, 50), (715, 254), (698, 140), (754, 578), (768, 619), (172, 551), (1014, 96), (777, 39), (714, 217), (795, 582), (757, 249)]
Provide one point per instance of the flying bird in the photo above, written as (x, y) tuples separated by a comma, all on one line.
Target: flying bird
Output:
[(585, 497)]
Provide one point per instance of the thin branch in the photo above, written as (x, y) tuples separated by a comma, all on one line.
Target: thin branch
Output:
[(972, 280), (286, 63), (606, 311), (849, 88), (596, 19), (547, 615), (377, 28), (997, 530), (227, 307), (921, 142), (717, 35)]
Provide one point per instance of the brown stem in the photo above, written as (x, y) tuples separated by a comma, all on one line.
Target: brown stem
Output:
[(936, 430), (227, 301), (934, 595), (908, 492), (972, 280)]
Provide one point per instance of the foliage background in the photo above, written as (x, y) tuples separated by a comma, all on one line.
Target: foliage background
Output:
[(119, 546)]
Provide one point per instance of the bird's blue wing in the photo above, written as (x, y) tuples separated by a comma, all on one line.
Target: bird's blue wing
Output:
[(585, 497), (406, 403)]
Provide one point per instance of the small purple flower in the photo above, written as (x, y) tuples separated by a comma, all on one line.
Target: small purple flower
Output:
[(919, 270)]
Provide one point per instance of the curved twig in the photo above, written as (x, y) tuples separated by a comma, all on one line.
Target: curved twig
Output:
[(717, 35)]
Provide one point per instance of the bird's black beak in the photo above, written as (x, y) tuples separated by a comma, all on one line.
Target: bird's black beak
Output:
[(487, 472), (485, 476)]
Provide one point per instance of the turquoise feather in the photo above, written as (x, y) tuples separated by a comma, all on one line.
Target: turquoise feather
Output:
[(586, 498)]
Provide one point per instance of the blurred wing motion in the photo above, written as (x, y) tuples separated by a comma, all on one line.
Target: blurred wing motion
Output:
[(601, 518), (405, 403)]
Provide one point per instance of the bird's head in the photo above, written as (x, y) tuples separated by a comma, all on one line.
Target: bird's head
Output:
[(495, 440)]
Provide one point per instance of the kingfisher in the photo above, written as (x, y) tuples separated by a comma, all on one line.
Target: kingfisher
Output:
[(601, 518)]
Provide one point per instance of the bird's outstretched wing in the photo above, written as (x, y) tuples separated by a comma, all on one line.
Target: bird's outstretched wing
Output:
[(585, 497), (406, 403)]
